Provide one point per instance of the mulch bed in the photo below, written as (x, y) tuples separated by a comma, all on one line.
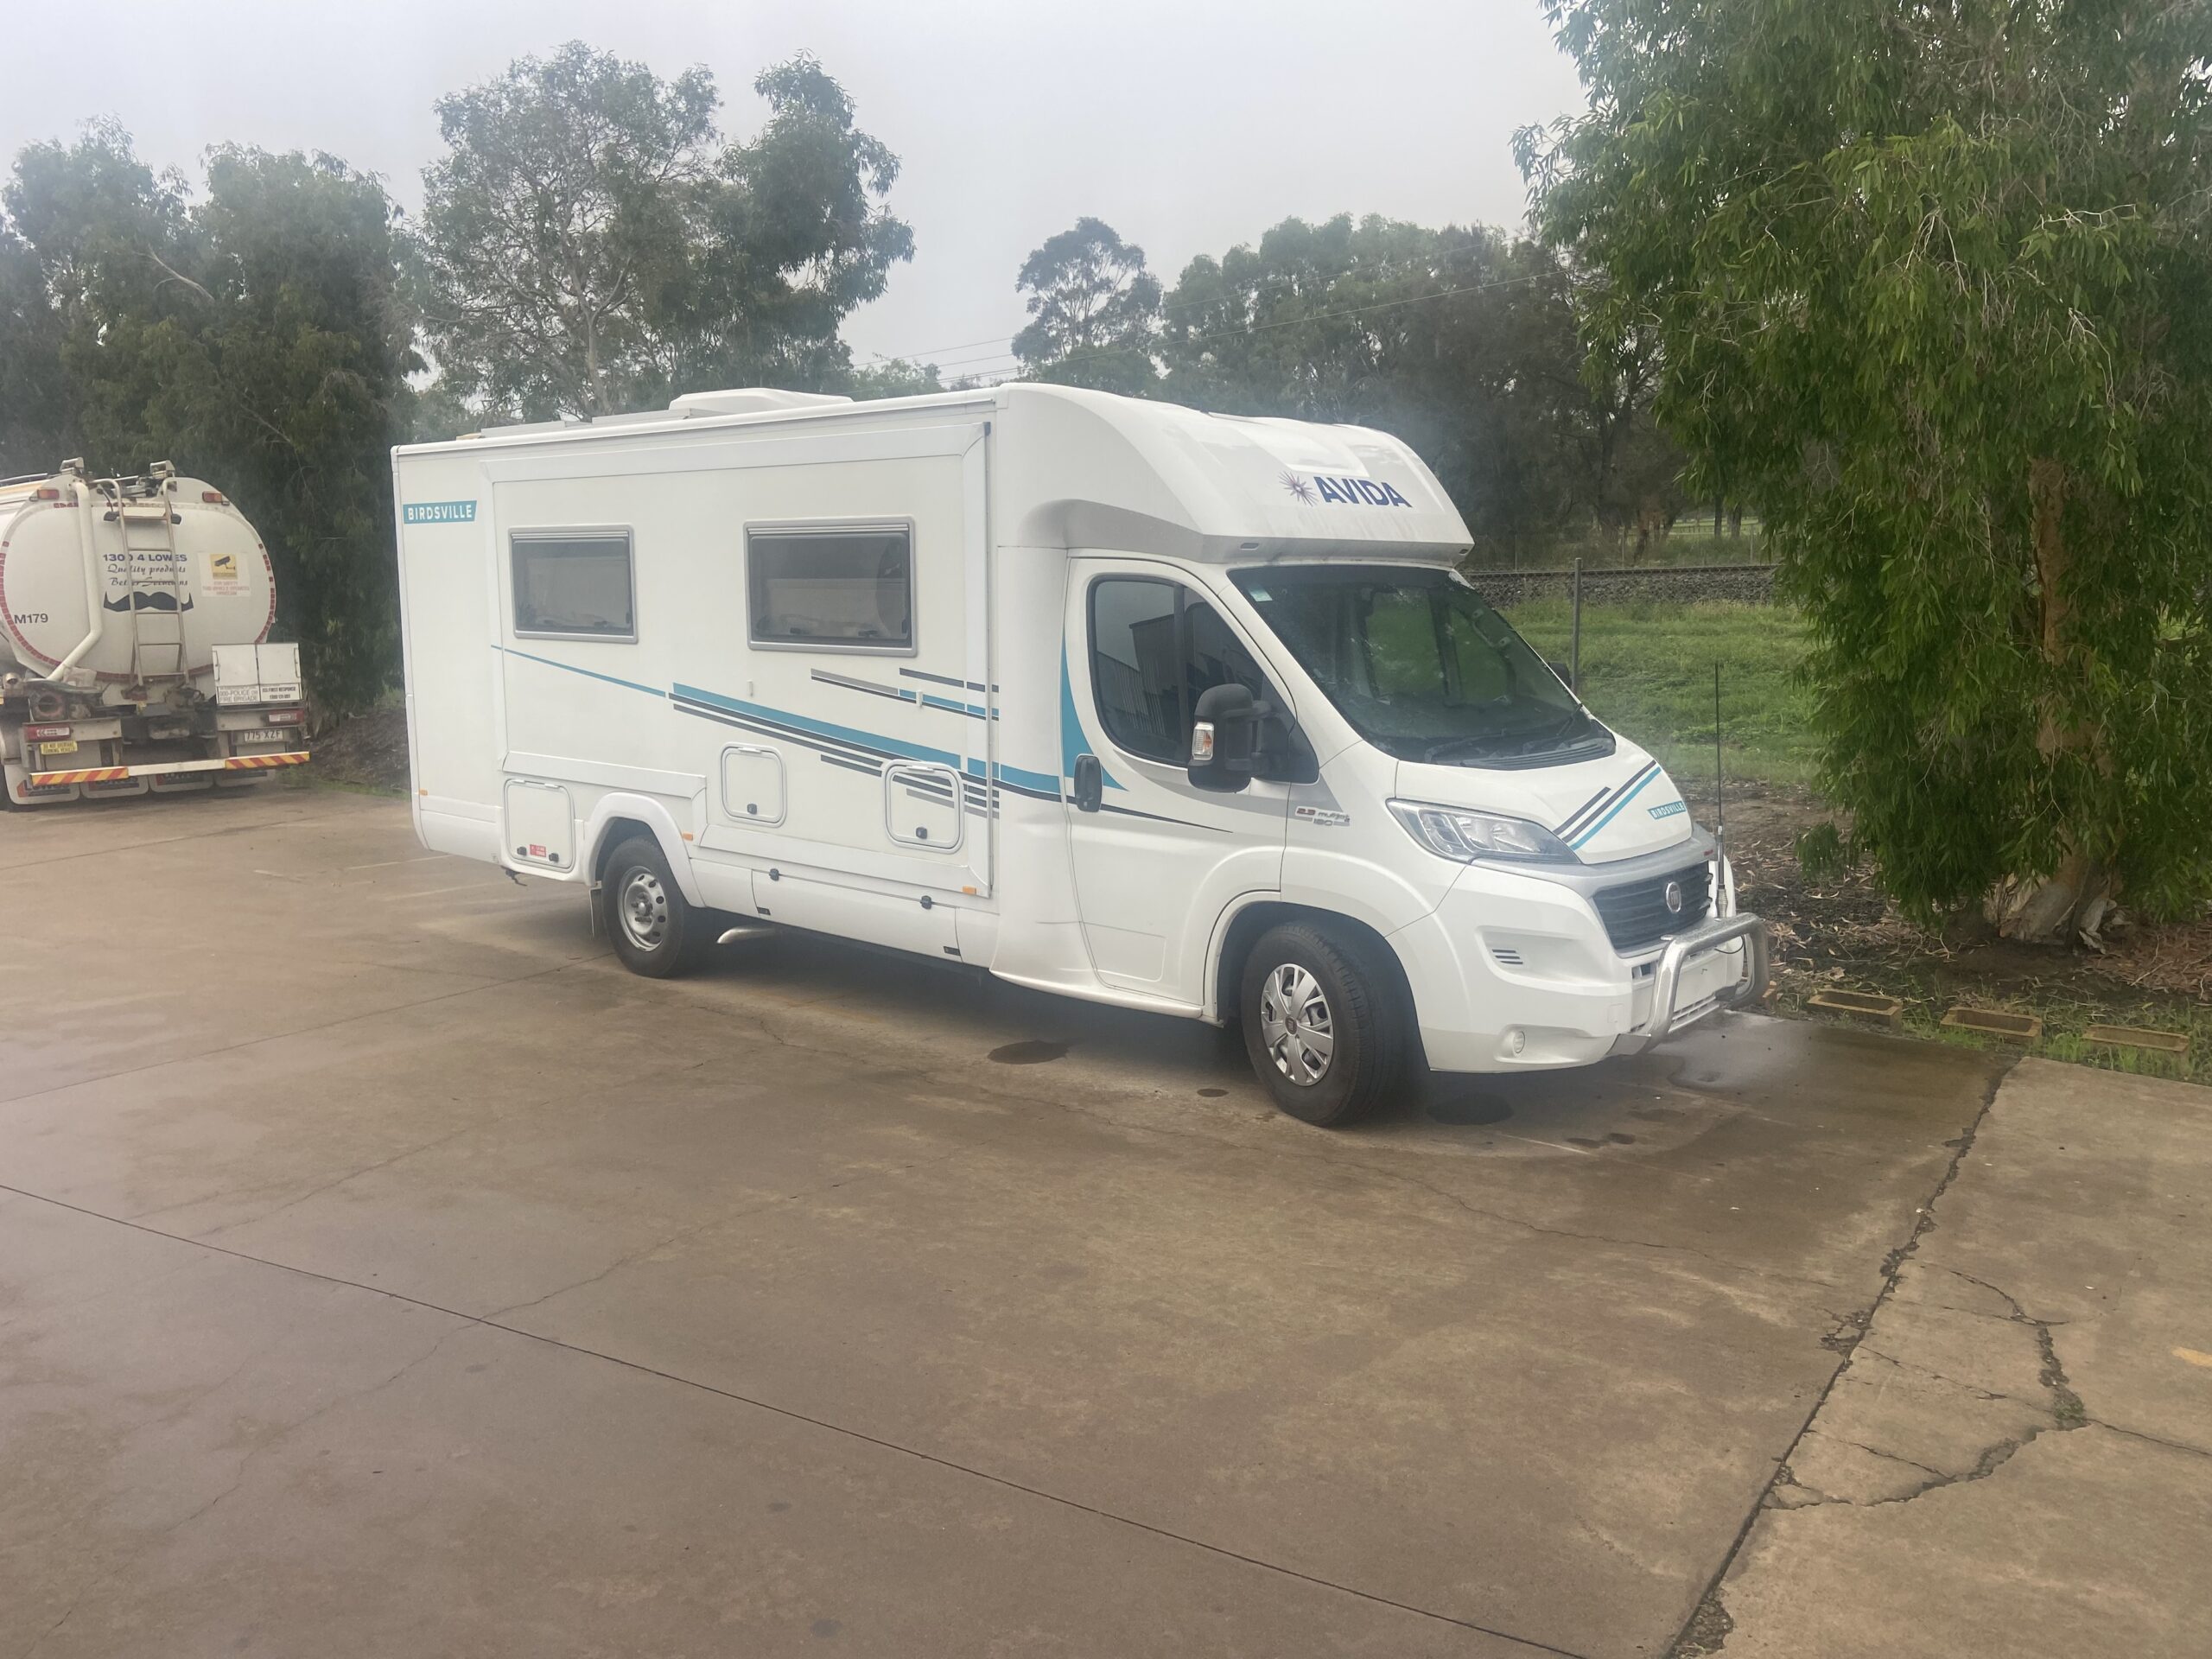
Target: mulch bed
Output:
[(1841, 928), (367, 752)]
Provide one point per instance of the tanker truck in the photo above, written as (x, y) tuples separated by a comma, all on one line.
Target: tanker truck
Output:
[(135, 655)]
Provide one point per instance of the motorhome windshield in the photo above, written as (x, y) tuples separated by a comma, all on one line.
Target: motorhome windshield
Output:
[(1421, 666)]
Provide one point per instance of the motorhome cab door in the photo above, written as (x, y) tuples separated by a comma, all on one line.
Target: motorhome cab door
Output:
[(1156, 859)]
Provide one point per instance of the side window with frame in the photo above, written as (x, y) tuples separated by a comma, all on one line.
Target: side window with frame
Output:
[(849, 588), (573, 584)]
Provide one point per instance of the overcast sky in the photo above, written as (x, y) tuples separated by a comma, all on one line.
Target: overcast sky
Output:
[(1189, 125)]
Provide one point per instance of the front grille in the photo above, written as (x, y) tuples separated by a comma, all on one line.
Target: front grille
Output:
[(1636, 914)]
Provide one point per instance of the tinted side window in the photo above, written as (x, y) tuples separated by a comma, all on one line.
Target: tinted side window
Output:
[(574, 585), (1136, 669), (1217, 657), (1155, 648), (849, 589)]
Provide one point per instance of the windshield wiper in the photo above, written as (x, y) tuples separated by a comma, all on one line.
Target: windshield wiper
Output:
[(1452, 745), (1553, 734), (1508, 742)]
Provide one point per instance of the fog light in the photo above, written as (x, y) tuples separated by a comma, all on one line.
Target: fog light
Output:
[(1515, 1040)]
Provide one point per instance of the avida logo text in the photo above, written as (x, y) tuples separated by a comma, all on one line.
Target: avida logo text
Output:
[(1351, 491)]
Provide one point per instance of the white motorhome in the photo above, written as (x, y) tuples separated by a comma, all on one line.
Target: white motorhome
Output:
[(1169, 711)]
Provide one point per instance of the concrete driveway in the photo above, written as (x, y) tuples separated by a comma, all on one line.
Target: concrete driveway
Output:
[(383, 1271)]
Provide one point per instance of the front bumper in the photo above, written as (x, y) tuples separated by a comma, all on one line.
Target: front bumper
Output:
[(1513, 972), (1687, 952)]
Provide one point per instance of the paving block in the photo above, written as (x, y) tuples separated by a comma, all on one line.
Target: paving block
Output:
[(2165, 1042), (1996, 1022), (1863, 1005)]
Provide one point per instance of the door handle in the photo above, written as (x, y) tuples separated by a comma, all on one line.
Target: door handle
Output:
[(1089, 783)]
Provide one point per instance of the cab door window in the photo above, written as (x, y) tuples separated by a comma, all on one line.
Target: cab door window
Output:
[(1136, 666), (1155, 648)]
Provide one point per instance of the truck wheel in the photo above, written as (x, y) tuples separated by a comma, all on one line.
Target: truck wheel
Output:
[(1321, 1023), (655, 930)]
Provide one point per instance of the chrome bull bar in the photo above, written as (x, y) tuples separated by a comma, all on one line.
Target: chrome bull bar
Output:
[(1702, 940)]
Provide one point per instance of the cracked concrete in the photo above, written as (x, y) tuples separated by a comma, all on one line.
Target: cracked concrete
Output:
[(2014, 1461), (396, 1275)]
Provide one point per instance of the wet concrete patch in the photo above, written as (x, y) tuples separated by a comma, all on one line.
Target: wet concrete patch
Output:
[(1469, 1108), (1032, 1053)]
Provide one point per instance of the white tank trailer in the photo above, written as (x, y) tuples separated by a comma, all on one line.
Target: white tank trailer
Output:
[(135, 653)]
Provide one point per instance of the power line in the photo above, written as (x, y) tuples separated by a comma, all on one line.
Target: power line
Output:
[(1284, 322)]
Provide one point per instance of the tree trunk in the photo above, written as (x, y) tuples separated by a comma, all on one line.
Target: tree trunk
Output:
[(2073, 901)]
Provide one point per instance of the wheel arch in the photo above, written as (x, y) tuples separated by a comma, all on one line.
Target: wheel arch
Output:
[(619, 816), (1241, 929)]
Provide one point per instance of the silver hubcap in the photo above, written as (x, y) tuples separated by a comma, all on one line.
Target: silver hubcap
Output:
[(643, 908), (1296, 1022)]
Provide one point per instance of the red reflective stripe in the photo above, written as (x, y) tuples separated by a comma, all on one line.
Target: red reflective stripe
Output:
[(255, 762)]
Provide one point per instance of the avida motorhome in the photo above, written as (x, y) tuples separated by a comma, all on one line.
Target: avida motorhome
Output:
[(1169, 711)]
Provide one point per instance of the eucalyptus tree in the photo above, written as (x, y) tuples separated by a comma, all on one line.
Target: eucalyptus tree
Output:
[(1093, 309), (592, 244), (256, 334), (1931, 285)]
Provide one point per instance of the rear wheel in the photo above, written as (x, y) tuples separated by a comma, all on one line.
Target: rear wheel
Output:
[(655, 930), (1322, 1024)]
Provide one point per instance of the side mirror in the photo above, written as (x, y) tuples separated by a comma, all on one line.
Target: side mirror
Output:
[(1224, 733)]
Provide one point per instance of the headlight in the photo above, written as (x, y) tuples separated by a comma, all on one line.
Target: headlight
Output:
[(1456, 832)]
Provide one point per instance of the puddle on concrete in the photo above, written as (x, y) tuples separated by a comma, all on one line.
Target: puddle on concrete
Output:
[(1470, 1109), (1033, 1052), (1211, 1094)]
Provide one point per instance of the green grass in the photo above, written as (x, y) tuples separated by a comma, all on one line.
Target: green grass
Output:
[(1647, 671)]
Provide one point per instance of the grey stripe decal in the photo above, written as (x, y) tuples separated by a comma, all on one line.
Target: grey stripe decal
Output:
[(943, 679), (1575, 826), (895, 693), (1580, 810)]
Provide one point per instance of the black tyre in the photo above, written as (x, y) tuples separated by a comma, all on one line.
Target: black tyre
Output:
[(656, 931), (1323, 1023)]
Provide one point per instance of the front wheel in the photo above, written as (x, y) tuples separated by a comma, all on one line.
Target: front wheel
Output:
[(1322, 1024), (656, 931)]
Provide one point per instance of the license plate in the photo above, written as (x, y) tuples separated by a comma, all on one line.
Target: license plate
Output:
[(70, 747), (265, 736)]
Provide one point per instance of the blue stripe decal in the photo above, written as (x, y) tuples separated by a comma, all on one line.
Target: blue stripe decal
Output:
[(932, 702), (588, 674), (1073, 741), (1613, 811), (826, 729), (867, 739), (1037, 780)]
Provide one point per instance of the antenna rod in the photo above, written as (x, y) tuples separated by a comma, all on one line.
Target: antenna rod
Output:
[(1720, 808)]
